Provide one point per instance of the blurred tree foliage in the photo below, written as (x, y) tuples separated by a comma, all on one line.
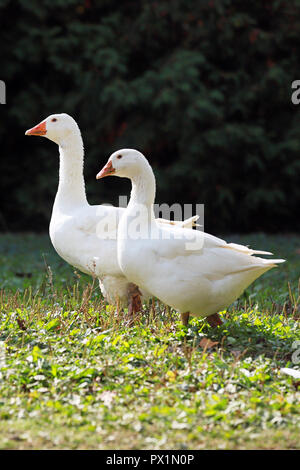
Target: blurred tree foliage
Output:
[(203, 88)]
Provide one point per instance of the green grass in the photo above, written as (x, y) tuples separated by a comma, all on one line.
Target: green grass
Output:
[(74, 375)]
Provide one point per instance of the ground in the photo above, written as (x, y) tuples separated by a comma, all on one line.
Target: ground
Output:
[(74, 375)]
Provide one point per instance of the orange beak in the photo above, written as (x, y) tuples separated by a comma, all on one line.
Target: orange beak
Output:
[(40, 129), (107, 170)]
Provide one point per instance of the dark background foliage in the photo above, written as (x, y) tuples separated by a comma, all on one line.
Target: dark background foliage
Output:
[(203, 88)]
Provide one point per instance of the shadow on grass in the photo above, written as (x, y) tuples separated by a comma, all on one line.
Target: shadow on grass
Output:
[(250, 335)]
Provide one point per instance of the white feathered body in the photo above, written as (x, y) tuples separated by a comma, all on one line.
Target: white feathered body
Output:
[(202, 275), (201, 282)]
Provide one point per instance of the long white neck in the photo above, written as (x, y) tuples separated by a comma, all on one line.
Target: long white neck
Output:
[(138, 220), (71, 187), (143, 191), (143, 187)]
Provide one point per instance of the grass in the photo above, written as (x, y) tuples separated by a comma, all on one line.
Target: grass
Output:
[(73, 375)]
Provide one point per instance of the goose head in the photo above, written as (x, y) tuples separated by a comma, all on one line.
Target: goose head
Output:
[(56, 127), (126, 163)]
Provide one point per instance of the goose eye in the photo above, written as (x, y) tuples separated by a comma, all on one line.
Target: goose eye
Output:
[(53, 120), (119, 156)]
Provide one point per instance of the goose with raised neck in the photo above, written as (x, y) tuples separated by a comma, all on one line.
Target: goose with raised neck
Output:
[(202, 279)]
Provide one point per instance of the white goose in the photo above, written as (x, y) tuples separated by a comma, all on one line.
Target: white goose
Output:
[(77, 230), (201, 278)]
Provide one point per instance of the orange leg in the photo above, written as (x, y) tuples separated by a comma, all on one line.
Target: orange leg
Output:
[(214, 320), (135, 303), (185, 318)]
